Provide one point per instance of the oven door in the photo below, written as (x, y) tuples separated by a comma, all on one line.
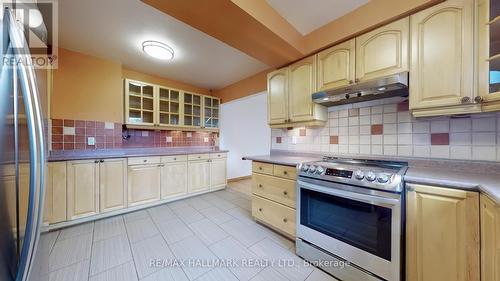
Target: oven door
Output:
[(356, 224)]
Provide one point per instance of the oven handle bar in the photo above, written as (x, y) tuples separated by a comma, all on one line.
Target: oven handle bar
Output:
[(338, 191)]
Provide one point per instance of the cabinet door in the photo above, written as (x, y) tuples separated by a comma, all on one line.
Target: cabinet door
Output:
[(383, 51), (490, 240), (173, 179), (442, 56), (277, 96), (442, 232), (83, 189), (198, 176), (336, 66), (140, 103), (55, 193), (302, 84), (113, 184), (218, 173), (143, 184)]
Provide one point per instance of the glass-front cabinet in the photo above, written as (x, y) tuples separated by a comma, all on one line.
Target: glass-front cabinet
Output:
[(158, 107), (489, 53), (139, 103), (211, 112)]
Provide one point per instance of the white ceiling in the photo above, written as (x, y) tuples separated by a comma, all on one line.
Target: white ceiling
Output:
[(308, 15), (115, 30)]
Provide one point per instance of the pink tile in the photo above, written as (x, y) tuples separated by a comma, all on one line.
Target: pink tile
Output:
[(440, 139), (90, 124), (404, 106), (79, 123), (69, 138), (57, 146), (80, 139), (99, 125), (80, 146), (69, 146), (302, 132), (57, 122), (90, 132), (69, 123), (80, 131), (57, 130), (57, 138)]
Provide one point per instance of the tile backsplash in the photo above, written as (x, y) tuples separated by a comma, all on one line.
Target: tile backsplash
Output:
[(386, 127), (74, 134)]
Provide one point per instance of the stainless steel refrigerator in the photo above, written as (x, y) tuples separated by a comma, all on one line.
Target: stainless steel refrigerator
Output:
[(24, 251)]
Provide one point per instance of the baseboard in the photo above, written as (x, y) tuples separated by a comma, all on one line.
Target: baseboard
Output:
[(239, 178)]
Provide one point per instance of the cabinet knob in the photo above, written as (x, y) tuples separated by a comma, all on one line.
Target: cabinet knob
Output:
[(260, 209), (96, 161), (351, 82), (175, 158), (260, 185), (144, 161), (465, 99), (478, 99), (285, 173), (102, 160), (285, 193), (285, 220), (260, 168)]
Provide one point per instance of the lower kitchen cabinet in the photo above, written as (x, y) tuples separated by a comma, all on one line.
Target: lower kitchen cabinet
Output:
[(55, 193), (442, 234), (490, 240), (274, 214), (143, 183), (112, 184), (198, 175), (218, 177), (173, 179), (82, 188)]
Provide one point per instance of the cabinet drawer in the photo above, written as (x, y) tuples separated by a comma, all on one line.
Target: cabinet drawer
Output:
[(174, 158), (275, 189), (218, 155), (279, 216), (286, 172), (143, 160), (198, 156), (264, 168)]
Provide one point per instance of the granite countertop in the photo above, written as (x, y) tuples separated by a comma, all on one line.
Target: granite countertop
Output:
[(479, 176), (61, 155)]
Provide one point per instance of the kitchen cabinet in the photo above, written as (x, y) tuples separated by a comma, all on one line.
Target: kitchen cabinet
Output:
[(139, 103), (169, 105), (211, 112), (218, 172), (490, 239), (55, 193), (442, 234), (198, 175), (277, 96), (174, 179), (192, 110), (290, 96), (488, 53), (274, 195), (82, 189), (442, 60), (144, 180), (8, 183), (383, 51), (112, 184), (336, 66)]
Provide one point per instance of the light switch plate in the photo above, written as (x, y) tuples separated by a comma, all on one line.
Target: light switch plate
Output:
[(169, 139), (205, 139), (145, 133), (91, 141), (109, 125)]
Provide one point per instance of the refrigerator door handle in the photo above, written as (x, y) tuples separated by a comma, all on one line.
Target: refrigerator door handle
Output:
[(28, 85)]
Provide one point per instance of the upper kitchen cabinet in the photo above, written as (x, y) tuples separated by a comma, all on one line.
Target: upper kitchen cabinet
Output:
[(211, 112), (168, 113), (192, 109), (383, 51), (336, 66), (442, 60), (488, 35), (139, 103), (290, 92), (277, 96)]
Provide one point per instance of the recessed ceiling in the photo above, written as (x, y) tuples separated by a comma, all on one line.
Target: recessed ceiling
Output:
[(115, 30), (309, 15)]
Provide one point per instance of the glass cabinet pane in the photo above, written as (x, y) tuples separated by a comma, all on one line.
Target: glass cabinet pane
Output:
[(215, 112), (196, 121), (164, 118), (196, 110), (174, 119), (147, 104), (174, 107), (215, 123), (188, 109), (196, 100), (495, 75), (208, 122), (134, 102), (134, 116), (174, 96), (208, 112), (188, 98), (164, 106), (208, 102), (147, 91), (188, 120), (147, 117), (134, 89), (216, 103), (163, 94)]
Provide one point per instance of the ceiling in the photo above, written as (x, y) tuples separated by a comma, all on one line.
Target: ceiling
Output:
[(309, 15), (115, 29)]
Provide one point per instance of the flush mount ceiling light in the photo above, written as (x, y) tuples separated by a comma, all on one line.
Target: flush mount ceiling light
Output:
[(158, 50)]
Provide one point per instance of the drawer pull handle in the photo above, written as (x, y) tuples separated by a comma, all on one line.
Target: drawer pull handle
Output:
[(199, 157), (260, 209), (285, 172), (144, 161), (260, 185), (285, 220), (175, 158), (285, 193), (260, 168)]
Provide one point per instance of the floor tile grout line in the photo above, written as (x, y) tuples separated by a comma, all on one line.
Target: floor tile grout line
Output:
[(130, 247), (91, 250), (50, 271)]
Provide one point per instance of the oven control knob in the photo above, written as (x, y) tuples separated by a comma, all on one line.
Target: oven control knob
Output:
[(359, 175), (312, 169), (305, 168), (383, 178), (370, 176), (320, 170)]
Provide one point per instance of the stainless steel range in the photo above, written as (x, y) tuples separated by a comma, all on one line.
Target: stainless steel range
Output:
[(349, 217)]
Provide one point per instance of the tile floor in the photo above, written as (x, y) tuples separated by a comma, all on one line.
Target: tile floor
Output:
[(212, 227)]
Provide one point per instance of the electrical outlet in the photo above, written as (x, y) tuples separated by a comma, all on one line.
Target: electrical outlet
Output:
[(169, 139), (109, 125), (189, 134), (91, 141), (145, 133), (205, 139)]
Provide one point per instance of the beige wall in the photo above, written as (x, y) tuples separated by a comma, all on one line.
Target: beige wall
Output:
[(248, 86), (90, 88)]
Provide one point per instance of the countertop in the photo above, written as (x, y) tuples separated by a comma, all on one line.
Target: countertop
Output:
[(60, 155), (479, 176)]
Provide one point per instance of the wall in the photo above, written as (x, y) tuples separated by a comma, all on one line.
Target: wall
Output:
[(246, 87), (244, 131), (385, 127)]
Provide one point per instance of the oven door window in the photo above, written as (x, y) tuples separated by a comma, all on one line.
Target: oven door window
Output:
[(362, 225)]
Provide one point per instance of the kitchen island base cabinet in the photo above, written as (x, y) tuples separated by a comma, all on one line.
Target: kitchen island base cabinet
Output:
[(276, 215), (173, 180), (490, 240), (442, 232), (83, 189), (198, 176), (143, 183), (113, 184)]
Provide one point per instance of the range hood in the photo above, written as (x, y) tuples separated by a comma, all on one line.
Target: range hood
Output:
[(389, 86)]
